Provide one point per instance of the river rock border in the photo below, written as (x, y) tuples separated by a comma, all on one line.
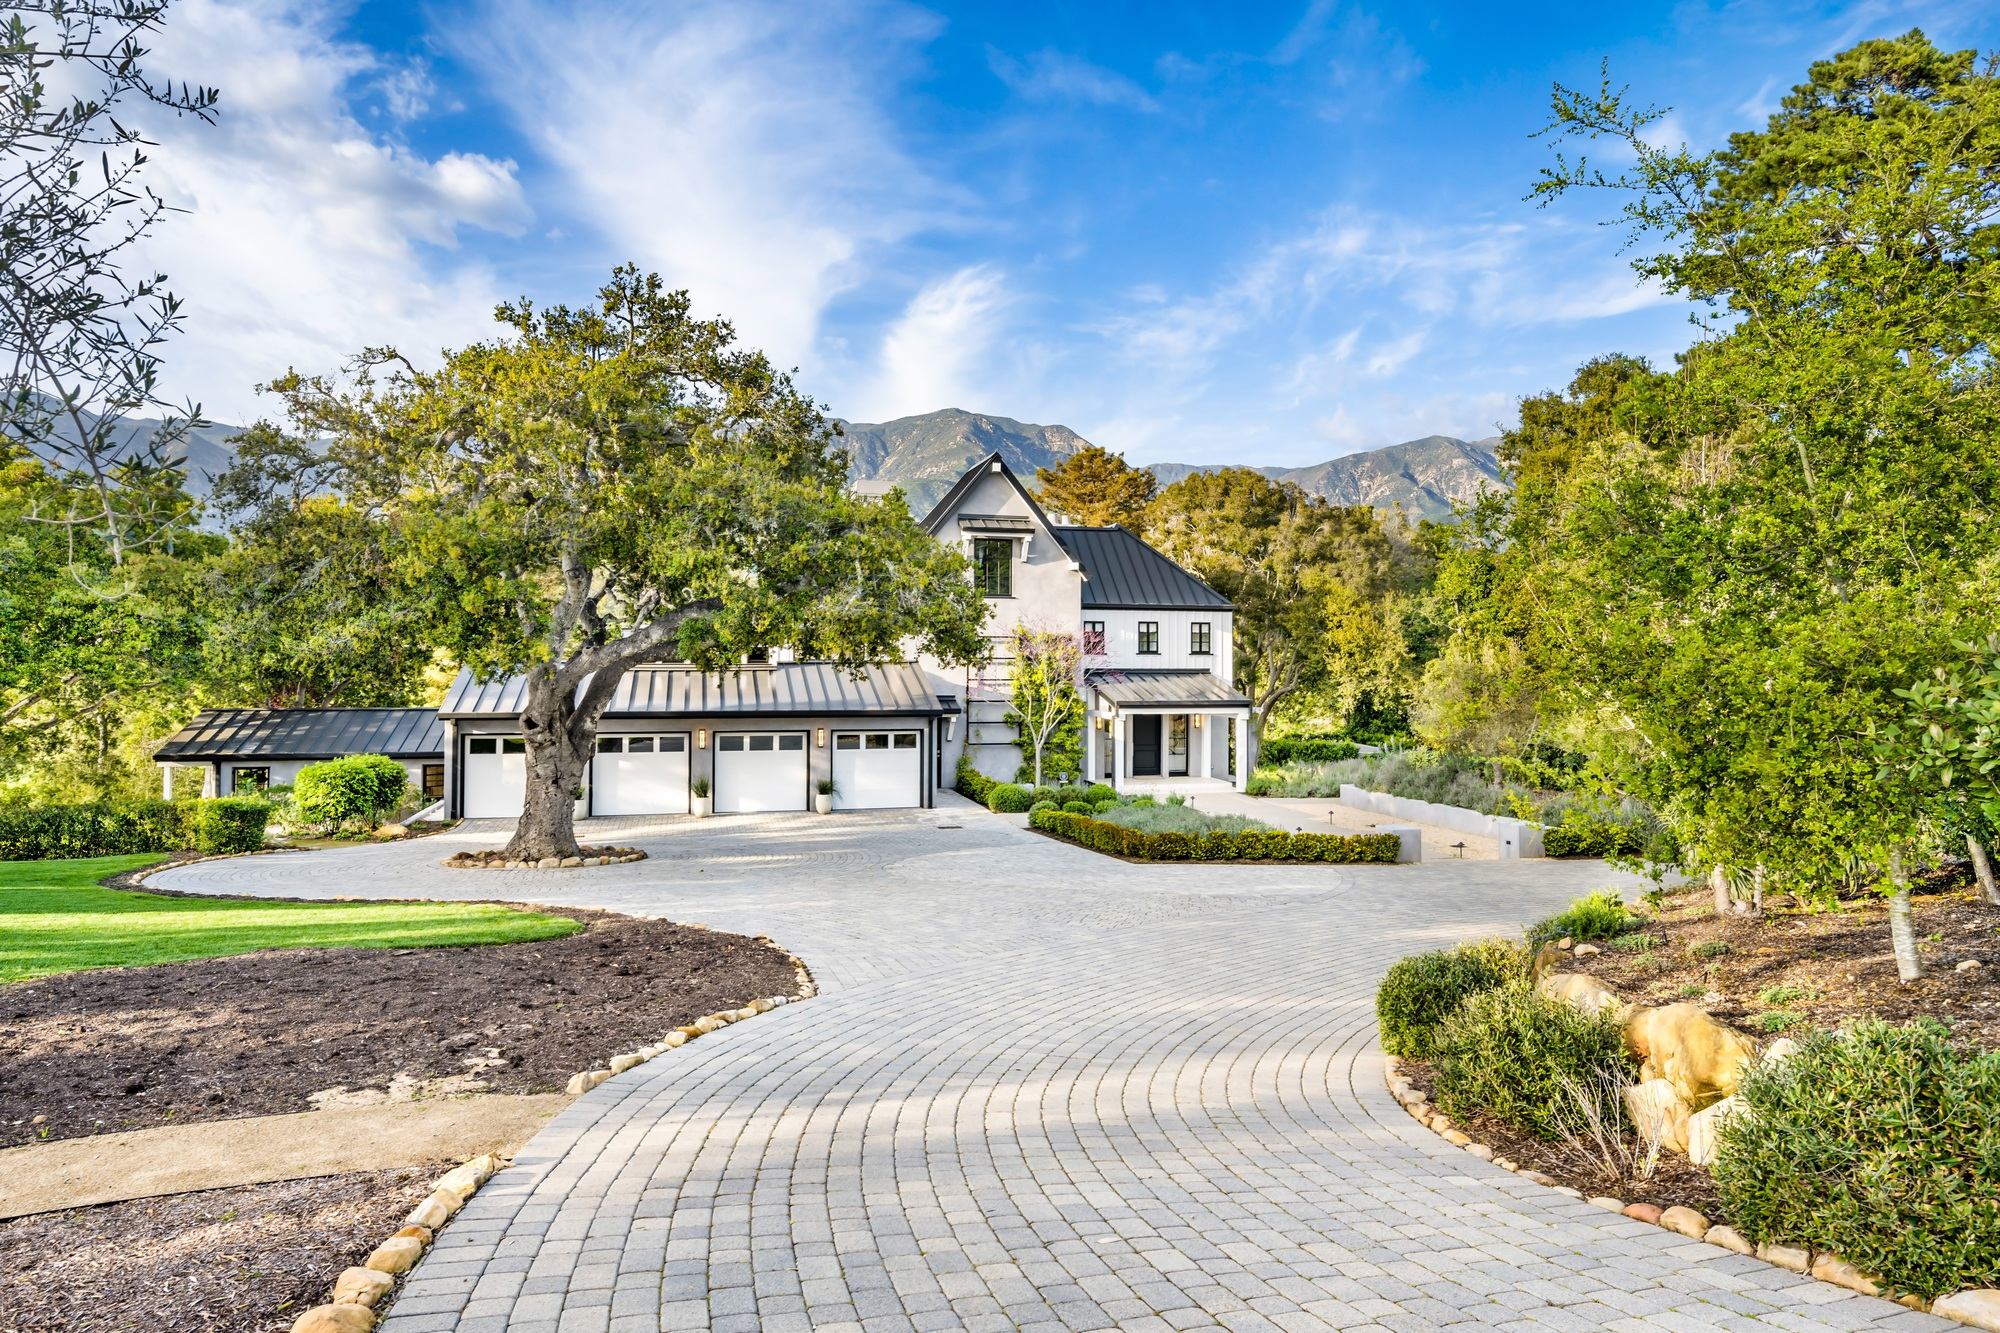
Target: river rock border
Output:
[(584, 1080), (1977, 1307), (587, 856), (357, 1291)]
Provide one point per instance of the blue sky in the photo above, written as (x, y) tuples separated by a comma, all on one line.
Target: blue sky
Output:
[(1264, 233)]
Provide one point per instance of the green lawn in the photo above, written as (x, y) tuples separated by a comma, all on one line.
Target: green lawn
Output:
[(55, 917)]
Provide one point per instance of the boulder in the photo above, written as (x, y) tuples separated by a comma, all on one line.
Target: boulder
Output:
[(361, 1286), (1540, 1178), (398, 1254), (1680, 1043), (1843, 1274), (631, 1060), (1729, 1238), (1480, 1151), (449, 1200), (1587, 950), (392, 831), (419, 1233), (570, 862), (1778, 1052), (673, 1039), (430, 1213), (1786, 1256), (1456, 1137), (584, 1082), (1702, 1127), (466, 1179), (1968, 965), (1658, 1112), (1686, 1221), (1608, 1204), (335, 1319), (1979, 1307), (1644, 1212), (548, 863), (1585, 992)]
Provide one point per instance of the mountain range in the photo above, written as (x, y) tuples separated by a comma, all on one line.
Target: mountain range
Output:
[(925, 454)]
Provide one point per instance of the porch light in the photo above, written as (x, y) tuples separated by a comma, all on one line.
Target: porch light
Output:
[(701, 738), (1197, 721), (820, 738)]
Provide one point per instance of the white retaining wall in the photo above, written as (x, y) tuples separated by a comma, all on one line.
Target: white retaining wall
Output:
[(1517, 837)]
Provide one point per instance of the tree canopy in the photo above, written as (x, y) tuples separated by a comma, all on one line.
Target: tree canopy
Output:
[(1097, 488)]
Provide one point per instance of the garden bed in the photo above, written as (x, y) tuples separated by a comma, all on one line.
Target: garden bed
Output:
[(245, 1260), (1249, 845), (1796, 968), (257, 1034)]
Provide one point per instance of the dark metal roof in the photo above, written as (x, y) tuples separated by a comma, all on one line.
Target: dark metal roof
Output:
[(995, 523), (1122, 572), (308, 733), (785, 688), (1143, 689)]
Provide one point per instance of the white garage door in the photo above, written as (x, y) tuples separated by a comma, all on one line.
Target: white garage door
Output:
[(496, 777), (760, 770), (877, 770), (640, 775)]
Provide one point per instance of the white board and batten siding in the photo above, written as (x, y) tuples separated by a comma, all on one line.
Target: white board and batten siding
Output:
[(757, 771), (877, 770)]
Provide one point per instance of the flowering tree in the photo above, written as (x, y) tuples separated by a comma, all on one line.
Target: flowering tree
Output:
[(1046, 707)]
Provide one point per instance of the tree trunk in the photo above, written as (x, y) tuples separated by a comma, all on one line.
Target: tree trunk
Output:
[(555, 764), (1983, 868), (1902, 930), (1719, 881), (1757, 891)]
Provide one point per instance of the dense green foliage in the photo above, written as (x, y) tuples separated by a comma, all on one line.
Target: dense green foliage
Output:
[(1524, 1057), (1421, 991), (1252, 845), (54, 917), (362, 786), (1307, 750), (1880, 1144), (1601, 916), (56, 832), (1171, 819), (971, 783), (1008, 798)]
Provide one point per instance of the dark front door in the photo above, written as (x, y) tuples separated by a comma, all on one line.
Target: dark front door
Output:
[(1145, 746)]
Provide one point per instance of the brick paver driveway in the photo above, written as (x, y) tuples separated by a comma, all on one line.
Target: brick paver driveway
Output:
[(1042, 1090)]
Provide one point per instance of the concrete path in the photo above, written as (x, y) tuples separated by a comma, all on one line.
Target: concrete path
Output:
[(1043, 1090)]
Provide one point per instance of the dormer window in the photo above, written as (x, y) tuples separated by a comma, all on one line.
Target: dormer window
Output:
[(993, 566)]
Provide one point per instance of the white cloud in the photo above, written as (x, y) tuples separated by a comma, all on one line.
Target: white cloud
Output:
[(740, 149), (941, 351), (1051, 76), (302, 232)]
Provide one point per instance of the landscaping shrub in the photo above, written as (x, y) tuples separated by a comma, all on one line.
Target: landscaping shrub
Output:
[(63, 832), (362, 786), (972, 783), (1176, 819), (1260, 784), (1508, 1051), (1421, 991), (1079, 807), (1880, 1144), (1601, 916), (1594, 840), (1097, 792), (230, 825), (1008, 798), (1307, 749), (1043, 805), (1251, 845)]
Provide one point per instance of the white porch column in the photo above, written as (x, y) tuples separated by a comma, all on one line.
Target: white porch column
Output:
[(166, 782), (1242, 747), (1091, 749), (211, 780), (1207, 745), (1119, 727)]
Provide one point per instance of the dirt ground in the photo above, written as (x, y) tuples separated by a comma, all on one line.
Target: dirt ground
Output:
[(236, 1261), (258, 1034), (1798, 968)]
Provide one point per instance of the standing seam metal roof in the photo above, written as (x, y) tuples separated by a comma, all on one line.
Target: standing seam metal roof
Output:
[(307, 733), (785, 688), (1121, 572), (1164, 688)]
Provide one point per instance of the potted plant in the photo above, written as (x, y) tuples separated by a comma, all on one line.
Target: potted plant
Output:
[(704, 804), (823, 802)]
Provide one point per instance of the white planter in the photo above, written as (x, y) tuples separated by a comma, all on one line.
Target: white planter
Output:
[(704, 806), (823, 802)]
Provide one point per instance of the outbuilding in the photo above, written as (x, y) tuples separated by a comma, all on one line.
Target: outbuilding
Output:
[(249, 749)]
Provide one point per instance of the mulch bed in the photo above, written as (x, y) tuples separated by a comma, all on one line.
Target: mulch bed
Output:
[(1840, 959), (257, 1034), (1673, 1180), (245, 1260)]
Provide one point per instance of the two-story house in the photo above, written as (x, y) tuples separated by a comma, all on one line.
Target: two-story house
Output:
[(1159, 706)]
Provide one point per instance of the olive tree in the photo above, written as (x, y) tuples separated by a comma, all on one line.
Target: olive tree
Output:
[(612, 485)]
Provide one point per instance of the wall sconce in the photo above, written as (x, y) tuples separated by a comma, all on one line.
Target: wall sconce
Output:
[(1197, 721), (701, 738), (820, 739)]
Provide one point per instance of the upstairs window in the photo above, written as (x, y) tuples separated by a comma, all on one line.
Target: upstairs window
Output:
[(993, 565), (1093, 638), (1198, 638), (1149, 636)]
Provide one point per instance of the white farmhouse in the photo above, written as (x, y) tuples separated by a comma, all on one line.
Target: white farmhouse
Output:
[(1160, 709)]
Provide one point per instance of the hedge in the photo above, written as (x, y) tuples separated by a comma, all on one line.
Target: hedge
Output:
[(1307, 750), (360, 786), (63, 832), (1594, 840), (972, 783), (1253, 845)]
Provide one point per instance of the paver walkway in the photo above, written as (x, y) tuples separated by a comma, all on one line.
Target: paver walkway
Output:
[(1042, 1090)]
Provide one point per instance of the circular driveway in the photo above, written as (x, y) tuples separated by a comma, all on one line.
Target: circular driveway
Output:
[(1041, 1089)]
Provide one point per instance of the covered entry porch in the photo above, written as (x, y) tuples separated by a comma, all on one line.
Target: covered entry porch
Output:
[(1164, 730)]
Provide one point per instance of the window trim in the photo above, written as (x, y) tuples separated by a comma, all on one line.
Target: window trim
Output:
[(982, 567), (1103, 644), (1149, 632), (1201, 638)]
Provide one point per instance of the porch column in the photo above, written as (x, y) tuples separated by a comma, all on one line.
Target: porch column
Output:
[(1207, 745), (1091, 746), (166, 782), (211, 780), (1119, 763), (1242, 720)]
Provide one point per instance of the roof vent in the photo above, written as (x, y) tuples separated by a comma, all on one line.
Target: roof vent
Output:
[(997, 465)]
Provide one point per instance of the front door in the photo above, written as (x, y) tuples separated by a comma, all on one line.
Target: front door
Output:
[(1145, 745)]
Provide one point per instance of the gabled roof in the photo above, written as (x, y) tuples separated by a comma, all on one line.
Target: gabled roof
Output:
[(798, 688), (307, 733), (1121, 572), (945, 507)]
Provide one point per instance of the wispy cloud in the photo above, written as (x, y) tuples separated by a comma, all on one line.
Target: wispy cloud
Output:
[(306, 235), (741, 149), (941, 351), (1052, 76)]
